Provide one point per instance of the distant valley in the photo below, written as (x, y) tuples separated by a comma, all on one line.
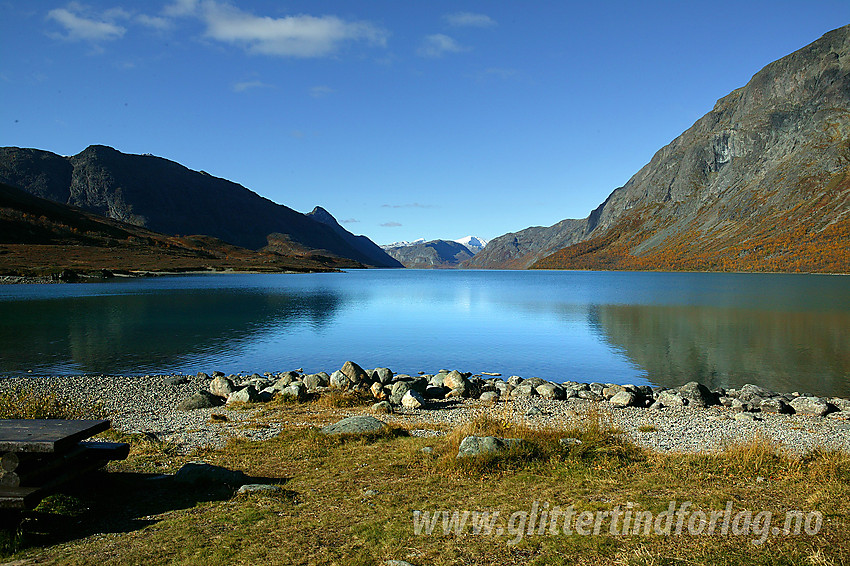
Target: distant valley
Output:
[(435, 254), (760, 183)]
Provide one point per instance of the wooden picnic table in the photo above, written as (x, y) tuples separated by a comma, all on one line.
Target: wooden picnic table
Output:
[(39, 455)]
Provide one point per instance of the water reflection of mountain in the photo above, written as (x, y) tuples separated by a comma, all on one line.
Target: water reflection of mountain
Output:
[(784, 351), (137, 333)]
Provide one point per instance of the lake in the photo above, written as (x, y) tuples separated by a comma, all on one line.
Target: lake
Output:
[(784, 332)]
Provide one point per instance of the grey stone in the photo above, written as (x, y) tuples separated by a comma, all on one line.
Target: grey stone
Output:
[(200, 472), (623, 399), (840, 404), (612, 390), (412, 400), (670, 399), (476, 445), (384, 375), (397, 563), (697, 394), (398, 391), (249, 488), (597, 388), (814, 406), (378, 391), (354, 372), (514, 380), (568, 442), (454, 380), (535, 381), (247, 394), (533, 412), (175, 380), (490, 397), (433, 392), (746, 417), (339, 380), (774, 405), (590, 395), (202, 375), (294, 391), (524, 390), (739, 406), (200, 400), (382, 407), (355, 425), (221, 386), (316, 380), (748, 391), (550, 391)]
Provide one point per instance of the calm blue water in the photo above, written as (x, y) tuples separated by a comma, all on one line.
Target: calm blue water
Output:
[(786, 332)]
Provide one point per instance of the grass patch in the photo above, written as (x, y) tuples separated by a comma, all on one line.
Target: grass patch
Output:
[(647, 428), (28, 404), (351, 500)]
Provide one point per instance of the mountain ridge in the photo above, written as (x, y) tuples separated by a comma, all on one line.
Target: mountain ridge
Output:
[(759, 183), (169, 198)]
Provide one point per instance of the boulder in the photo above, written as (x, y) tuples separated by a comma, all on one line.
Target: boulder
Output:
[(358, 424), (433, 392), (339, 380), (590, 395), (354, 373), (255, 488), (382, 408), (398, 391), (550, 391), (489, 397), (247, 394), (412, 400), (454, 379), (697, 394), (378, 391), (514, 380), (612, 390), (670, 398), (175, 380), (748, 391), (775, 405), (623, 399), (384, 375), (523, 390), (294, 391), (814, 406), (477, 445), (221, 386), (200, 400), (316, 380)]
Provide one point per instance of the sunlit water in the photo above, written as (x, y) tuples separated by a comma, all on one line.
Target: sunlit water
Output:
[(784, 332)]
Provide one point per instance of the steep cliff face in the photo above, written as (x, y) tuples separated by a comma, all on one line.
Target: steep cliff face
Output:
[(762, 182), (362, 244), (167, 197), (519, 250)]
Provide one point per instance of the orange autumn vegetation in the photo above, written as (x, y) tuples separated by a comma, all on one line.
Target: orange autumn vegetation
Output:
[(813, 236)]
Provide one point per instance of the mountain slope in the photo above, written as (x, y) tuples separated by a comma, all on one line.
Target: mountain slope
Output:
[(431, 255), (760, 183), (39, 236), (369, 249), (167, 197)]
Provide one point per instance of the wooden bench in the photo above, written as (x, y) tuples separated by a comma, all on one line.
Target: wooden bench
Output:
[(38, 456)]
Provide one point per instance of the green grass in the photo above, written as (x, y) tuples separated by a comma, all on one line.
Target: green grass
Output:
[(350, 500)]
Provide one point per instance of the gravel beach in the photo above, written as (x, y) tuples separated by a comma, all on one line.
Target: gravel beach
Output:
[(147, 404)]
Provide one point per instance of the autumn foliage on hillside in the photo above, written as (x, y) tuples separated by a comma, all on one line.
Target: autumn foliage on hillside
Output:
[(814, 236)]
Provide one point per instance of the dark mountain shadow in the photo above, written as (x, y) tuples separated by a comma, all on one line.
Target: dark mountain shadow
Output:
[(130, 332), (720, 347)]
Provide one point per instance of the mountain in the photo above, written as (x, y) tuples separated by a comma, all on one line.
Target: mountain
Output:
[(473, 243), (40, 237), (760, 183), (403, 243), (166, 197), (431, 255), (369, 249)]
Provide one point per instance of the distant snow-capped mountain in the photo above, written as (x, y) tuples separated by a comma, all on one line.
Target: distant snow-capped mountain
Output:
[(473, 243), (403, 244)]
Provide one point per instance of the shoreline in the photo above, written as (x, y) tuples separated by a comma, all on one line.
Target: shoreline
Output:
[(148, 405)]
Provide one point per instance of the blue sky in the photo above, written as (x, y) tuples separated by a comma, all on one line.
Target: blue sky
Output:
[(404, 119)]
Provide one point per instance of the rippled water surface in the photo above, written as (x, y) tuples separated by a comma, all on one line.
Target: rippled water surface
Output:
[(785, 332)]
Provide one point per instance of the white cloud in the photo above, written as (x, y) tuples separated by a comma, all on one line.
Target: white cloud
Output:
[(349, 221), (391, 224), (247, 85), (80, 25), (438, 45), (155, 22), (181, 8), (469, 19), (292, 36), (320, 91)]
